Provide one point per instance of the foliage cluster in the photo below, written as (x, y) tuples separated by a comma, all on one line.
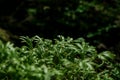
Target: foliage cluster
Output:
[(58, 59)]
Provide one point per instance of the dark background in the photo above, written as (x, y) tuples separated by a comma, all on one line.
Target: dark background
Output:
[(98, 21)]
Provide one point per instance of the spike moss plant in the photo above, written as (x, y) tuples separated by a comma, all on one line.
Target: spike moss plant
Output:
[(58, 59)]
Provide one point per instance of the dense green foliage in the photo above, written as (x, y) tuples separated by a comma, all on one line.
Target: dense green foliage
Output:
[(58, 59), (98, 21)]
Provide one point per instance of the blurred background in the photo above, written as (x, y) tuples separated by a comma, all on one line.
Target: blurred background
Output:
[(97, 21)]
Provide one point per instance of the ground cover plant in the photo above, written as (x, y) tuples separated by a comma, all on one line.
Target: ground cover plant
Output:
[(58, 59)]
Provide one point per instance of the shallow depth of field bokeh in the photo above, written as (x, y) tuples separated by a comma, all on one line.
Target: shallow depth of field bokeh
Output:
[(96, 21)]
